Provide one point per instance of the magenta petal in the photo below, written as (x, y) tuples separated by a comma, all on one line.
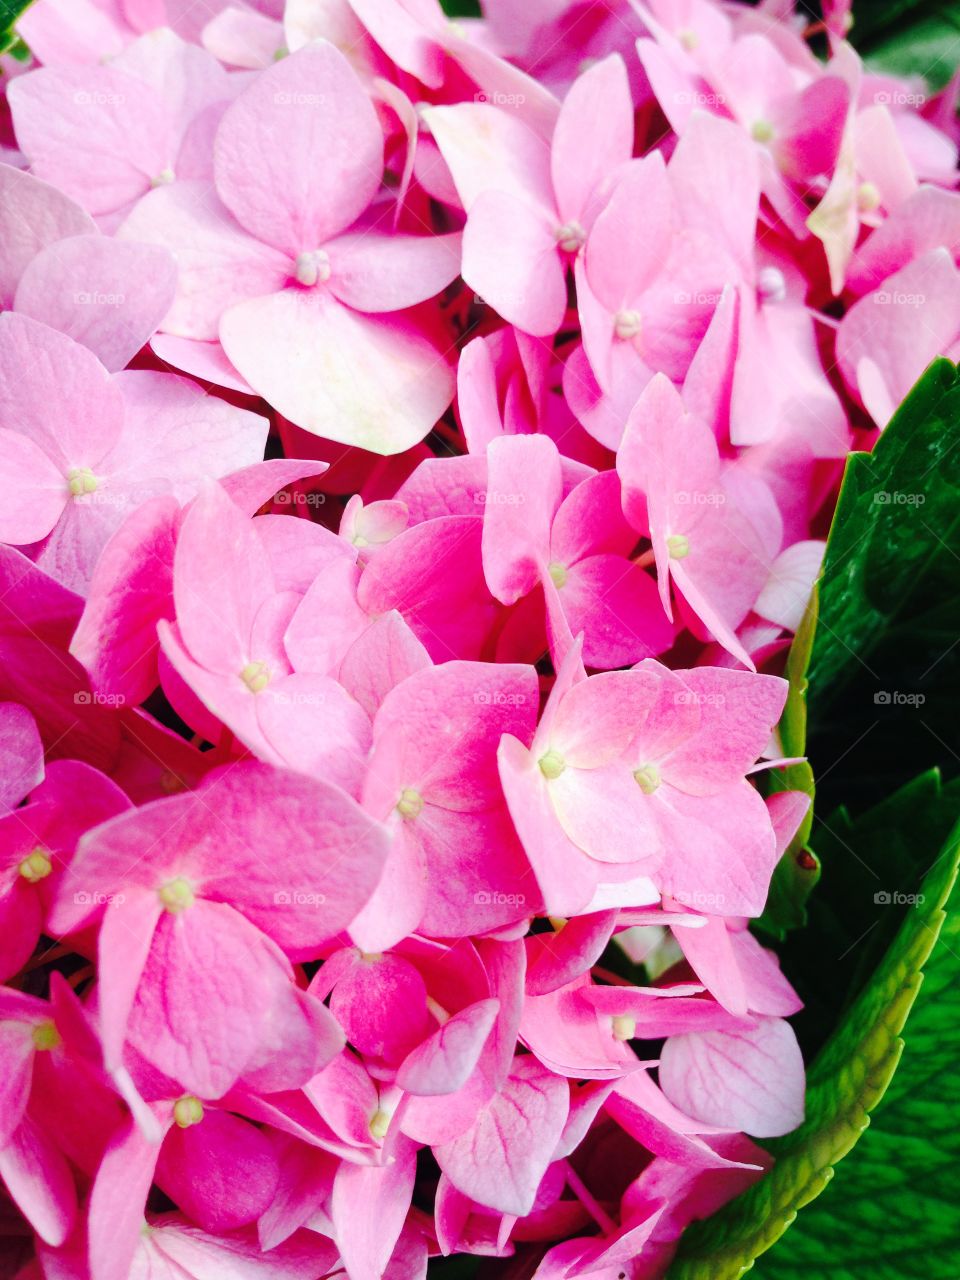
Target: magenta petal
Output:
[(222, 1172)]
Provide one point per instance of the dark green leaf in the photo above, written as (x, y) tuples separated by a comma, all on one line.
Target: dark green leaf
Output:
[(10, 11), (849, 1076)]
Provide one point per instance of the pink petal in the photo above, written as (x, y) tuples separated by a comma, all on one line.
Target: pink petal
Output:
[(369, 1207), (32, 216), (432, 575), (56, 392), (36, 490), (444, 1062), (594, 135), (523, 494), (175, 431), (100, 135), (218, 263), (617, 607), (40, 1182), (118, 1201), (314, 101), (756, 1080), (512, 260), (501, 1158), (130, 591), (374, 272), (111, 295), (490, 149), (379, 659), (333, 371), (222, 1172)]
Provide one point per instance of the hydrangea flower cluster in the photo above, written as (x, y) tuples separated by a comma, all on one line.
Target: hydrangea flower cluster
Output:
[(417, 440)]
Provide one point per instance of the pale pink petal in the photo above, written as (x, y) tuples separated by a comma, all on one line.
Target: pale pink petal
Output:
[(218, 263), (501, 1158), (334, 371), (36, 491), (56, 392), (443, 1063), (282, 195), (594, 135), (489, 149), (523, 494), (33, 214), (205, 360), (100, 135), (175, 430), (512, 259), (750, 1080), (111, 295), (374, 272)]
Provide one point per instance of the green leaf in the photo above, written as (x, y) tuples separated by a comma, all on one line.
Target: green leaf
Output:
[(10, 11), (925, 43), (852, 1071), (892, 1211), (898, 514)]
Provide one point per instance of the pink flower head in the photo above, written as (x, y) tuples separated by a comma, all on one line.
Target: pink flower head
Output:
[(715, 532), (106, 135), (625, 767), (212, 873), (305, 299), (575, 548), (532, 201), (82, 448)]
